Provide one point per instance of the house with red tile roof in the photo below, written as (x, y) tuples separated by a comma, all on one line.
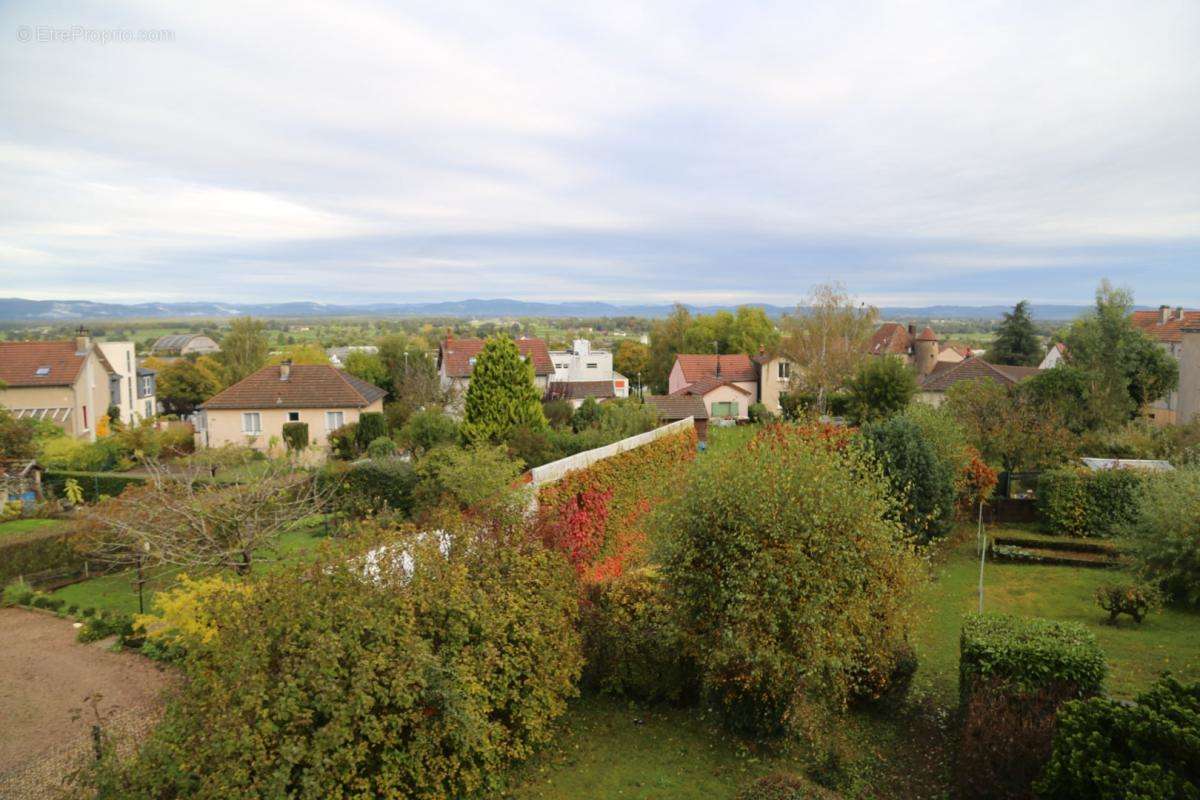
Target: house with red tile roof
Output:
[(456, 360), (69, 383), (728, 384), (921, 351), (254, 410), (1177, 330), (932, 387)]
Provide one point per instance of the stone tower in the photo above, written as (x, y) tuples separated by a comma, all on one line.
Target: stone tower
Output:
[(1189, 376), (925, 352)]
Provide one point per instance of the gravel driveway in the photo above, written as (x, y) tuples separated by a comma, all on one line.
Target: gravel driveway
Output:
[(45, 680)]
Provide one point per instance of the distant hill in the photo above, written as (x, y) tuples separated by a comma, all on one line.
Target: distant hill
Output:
[(15, 309)]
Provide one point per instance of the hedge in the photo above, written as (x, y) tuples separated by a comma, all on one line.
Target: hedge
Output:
[(1108, 749), (1014, 674), (93, 484), (38, 551), (1080, 502), (629, 485), (369, 487)]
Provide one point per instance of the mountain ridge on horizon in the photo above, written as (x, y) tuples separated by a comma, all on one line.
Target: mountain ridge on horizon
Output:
[(16, 309)]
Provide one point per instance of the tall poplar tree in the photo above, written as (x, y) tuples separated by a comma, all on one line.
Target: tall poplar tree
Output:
[(502, 394)]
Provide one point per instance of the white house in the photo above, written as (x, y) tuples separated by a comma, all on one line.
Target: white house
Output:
[(133, 386), (582, 372), (1053, 356)]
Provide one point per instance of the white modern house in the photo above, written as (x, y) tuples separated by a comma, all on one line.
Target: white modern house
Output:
[(582, 372), (133, 386)]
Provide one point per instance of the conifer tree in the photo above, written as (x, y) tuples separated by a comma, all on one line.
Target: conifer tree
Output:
[(502, 394), (1017, 340)]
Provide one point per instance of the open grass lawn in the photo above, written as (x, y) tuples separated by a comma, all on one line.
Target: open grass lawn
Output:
[(19, 526), (118, 591), (1137, 654)]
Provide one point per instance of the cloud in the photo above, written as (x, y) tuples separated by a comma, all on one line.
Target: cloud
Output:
[(614, 151)]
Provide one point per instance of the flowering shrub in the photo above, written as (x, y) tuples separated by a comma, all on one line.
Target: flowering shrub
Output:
[(599, 515)]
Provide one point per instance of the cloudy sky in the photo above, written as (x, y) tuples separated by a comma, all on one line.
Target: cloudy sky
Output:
[(919, 152)]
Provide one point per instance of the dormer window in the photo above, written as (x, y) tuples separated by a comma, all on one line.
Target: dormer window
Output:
[(42, 372)]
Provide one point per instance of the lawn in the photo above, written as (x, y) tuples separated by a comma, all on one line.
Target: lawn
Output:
[(1167, 640), (118, 592), (18, 526)]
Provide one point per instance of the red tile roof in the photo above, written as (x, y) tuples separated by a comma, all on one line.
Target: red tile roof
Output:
[(20, 362), (456, 354), (678, 406), (1169, 331), (891, 337), (927, 335), (734, 367), (705, 385), (946, 374), (308, 386)]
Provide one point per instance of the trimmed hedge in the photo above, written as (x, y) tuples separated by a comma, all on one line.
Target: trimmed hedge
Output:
[(1080, 502), (1014, 674), (369, 487), (1108, 749), (295, 435), (38, 551), (93, 484)]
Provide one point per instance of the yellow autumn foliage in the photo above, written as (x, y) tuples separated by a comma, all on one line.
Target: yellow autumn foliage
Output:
[(184, 611)]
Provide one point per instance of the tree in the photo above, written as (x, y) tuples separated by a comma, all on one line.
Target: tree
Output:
[(245, 348), (826, 339), (479, 478), (1123, 368), (502, 394), (306, 353), (368, 367), (428, 429), (16, 436), (1017, 341), (1007, 427), (923, 481), (882, 386), (632, 359), (666, 342), (182, 518), (586, 416), (182, 385)]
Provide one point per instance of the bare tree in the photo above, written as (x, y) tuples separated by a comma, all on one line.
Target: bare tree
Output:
[(184, 517), (826, 338)]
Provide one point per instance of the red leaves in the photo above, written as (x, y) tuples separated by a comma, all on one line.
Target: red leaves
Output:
[(576, 528)]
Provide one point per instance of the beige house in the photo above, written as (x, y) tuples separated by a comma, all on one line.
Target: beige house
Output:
[(1175, 330), (254, 410), (774, 379), (69, 383), (932, 387)]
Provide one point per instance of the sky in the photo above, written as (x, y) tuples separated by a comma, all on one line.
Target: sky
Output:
[(917, 152)]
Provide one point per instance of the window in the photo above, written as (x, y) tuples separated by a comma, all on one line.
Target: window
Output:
[(131, 391), (592, 365), (729, 409), (128, 362), (293, 416), (334, 420), (43, 372), (85, 422), (149, 408), (785, 370), (251, 423)]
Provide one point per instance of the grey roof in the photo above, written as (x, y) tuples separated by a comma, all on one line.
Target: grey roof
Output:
[(175, 342), (1148, 464), (678, 406), (580, 390)]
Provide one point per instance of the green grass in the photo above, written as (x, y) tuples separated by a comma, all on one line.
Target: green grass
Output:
[(723, 440), (118, 591), (20, 526), (1137, 654)]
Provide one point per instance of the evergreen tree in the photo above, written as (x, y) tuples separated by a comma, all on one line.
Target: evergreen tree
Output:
[(502, 394), (1017, 341)]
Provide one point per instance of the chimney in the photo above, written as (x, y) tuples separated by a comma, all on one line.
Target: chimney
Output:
[(83, 339), (1179, 312), (285, 370), (718, 366), (912, 329), (1164, 314)]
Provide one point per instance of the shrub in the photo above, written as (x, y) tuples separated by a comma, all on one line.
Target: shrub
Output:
[(1109, 749), (428, 429), (1014, 674), (369, 487), (471, 478), (38, 551), (371, 425), (18, 593), (1129, 598), (533, 448), (759, 413), (87, 611), (424, 670), (776, 596), (923, 482), (586, 416), (783, 786), (881, 678), (186, 611), (558, 413), (1080, 502), (633, 646), (1164, 534), (383, 447), (295, 436), (880, 388), (104, 624), (344, 441)]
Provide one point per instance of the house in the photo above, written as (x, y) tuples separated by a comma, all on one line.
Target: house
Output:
[(20, 481), (69, 383), (674, 407), (254, 410), (582, 372), (954, 353), (456, 360), (920, 351), (338, 355), (774, 379), (136, 385), (177, 345), (1175, 330), (1054, 356), (932, 387), (728, 384)]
